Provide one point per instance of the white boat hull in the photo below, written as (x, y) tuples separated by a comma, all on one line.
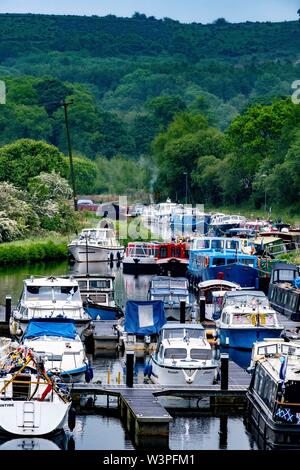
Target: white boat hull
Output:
[(32, 418), (93, 253), (164, 375)]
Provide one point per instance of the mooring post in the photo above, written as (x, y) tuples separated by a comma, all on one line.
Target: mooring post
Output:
[(224, 371), (7, 308), (129, 368), (182, 311), (202, 308)]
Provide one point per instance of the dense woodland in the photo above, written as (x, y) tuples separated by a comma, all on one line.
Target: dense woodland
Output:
[(153, 99)]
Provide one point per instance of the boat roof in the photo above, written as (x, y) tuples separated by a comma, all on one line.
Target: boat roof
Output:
[(218, 282), (192, 343), (266, 240), (179, 326), (168, 278), (93, 277), (285, 266), (50, 281), (253, 293), (273, 366)]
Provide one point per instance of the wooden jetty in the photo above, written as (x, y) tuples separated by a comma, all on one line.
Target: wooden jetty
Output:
[(147, 420)]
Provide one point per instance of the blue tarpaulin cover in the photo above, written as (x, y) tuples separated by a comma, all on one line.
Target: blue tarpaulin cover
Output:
[(296, 282), (144, 317), (64, 328)]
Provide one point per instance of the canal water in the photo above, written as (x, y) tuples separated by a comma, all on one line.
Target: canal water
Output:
[(95, 430)]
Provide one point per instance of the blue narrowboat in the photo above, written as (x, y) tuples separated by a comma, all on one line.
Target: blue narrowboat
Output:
[(224, 258)]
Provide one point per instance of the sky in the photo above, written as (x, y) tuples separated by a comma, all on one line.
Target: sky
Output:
[(186, 11)]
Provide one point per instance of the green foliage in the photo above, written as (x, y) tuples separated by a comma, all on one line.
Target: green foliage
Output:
[(85, 175), (120, 176), (49, 187), (27, 158)]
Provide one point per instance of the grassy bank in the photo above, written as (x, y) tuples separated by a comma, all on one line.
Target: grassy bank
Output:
[(292, 257), (33, 250)]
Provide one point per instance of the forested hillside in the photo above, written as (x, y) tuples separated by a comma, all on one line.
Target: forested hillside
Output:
[(152, 99)]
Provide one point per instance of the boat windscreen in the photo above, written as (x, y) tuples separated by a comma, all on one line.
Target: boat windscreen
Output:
[(52, 293), (201, 354), (251, 300), (171, 333), (175, 353)]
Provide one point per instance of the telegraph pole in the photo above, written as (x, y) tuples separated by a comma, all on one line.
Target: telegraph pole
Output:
[(72, 173)]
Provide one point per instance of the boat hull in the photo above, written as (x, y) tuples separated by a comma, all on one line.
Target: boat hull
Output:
[(244, 338), (245, 276), (90, 253), (163, 375), (32, 418), (273, 435), (102, 312)]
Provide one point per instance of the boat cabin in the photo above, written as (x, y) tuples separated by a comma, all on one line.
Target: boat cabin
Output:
[(283, 295)]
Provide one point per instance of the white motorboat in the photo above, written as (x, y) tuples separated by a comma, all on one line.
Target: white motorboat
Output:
[(96, 244), (57, 343), (31, 402), (48, 297), (183, 357)]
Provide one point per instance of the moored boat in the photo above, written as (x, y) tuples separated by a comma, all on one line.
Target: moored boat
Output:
[(273, 395), (57, 343), (246, 317), (31, 402), (96, 244), (48, 297), (183, 357), (172, 291)]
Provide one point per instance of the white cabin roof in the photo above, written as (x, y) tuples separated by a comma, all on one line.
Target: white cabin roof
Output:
[(51, 282)]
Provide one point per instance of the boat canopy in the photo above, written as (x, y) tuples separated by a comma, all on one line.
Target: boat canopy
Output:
[(62, 328), (144, 317)]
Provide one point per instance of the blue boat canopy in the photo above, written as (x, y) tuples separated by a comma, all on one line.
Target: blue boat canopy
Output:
[(64, 328), (296, 282), (144, 317)]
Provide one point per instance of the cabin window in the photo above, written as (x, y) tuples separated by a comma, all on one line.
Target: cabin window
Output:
[(232, 245), (202, 354), (82, 285), (217, 244), (160, 352), (100, 284), (173, 251), (175, 353), (163, 252), (218, 262), (178, 252), (231, 260)]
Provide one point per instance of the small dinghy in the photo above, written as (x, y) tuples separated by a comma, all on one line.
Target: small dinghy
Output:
[(31, 402)]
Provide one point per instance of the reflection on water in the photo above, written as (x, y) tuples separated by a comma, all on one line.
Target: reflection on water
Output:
[(204, 432)]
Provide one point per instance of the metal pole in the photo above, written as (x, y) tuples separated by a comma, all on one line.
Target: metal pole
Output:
[(202, 308), (86, 254), (129, 368), (72, 173), (182, 311), (224, 371), (7, 308), (265, 200)]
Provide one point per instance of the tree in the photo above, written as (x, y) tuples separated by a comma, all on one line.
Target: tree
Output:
[(28, 158), (164, 108), (17, 216), (85, 175)]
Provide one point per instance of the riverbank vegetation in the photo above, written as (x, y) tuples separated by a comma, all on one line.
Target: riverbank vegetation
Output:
[(153, 100)]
